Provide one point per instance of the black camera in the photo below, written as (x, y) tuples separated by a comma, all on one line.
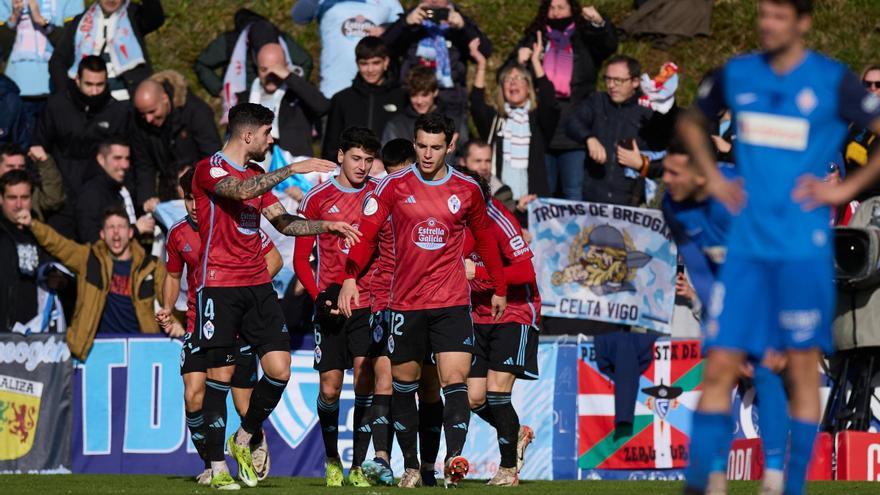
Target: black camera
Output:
[(857, 257)]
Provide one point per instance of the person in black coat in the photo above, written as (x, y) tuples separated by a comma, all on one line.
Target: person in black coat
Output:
[(70, 128), (145, 17), (613, 127), (576, 41), (173, 128), (372, 100), (413, 41), (110, 188), (517, 94), (298, 105)]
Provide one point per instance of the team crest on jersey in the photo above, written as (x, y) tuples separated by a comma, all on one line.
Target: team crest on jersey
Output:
[(430, 234), (602, 259), (371, 206), (217, 172), (662, 399), (454, 204), (806, 101), (318, 354), (208, 330)]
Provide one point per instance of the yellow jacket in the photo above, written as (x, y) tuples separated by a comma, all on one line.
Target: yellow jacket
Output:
[(93, 266)]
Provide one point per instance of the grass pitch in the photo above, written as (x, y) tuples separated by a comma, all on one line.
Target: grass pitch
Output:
[(169, 485)]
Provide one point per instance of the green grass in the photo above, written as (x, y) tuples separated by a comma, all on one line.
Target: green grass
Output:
[(169, 485), (846, 29)]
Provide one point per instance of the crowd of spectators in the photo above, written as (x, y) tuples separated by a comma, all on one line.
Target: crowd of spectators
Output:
[(94, 138)]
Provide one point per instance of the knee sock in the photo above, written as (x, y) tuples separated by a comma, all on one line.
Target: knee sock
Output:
[(328, 417), (214, 412), (406, 421), (264, 398), (381, 422), (456, 416), (772, 417), (712, 432), (362, 430), (803, 434), (507, 426), (430, 428), (197, 430), (485, 413)]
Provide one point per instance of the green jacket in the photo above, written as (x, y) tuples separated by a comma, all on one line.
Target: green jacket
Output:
[(93, 266), (48, 195)]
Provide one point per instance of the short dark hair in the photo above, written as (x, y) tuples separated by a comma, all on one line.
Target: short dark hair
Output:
[(632, 65), (676, 146), (370, 47), (14, 178), (484, 184), (114, 211), (803, 7), (421, 80), (107, 143), (11, 149), (397, 152), (435, 123), (91, 63), (248, 116), (473, 143), (186, 181), (360, 137)]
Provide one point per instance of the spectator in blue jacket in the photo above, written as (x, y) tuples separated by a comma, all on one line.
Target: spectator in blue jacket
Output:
[(36, 28), (342, 24)]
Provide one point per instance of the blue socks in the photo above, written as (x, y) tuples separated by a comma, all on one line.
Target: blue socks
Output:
[(772, 417), (802, 437), (710, 437)]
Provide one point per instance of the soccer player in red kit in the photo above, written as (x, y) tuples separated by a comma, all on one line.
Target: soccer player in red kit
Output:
[(431, 206), (341, 343), (235, 294), (397, 154), (182, 250), (506, 348)]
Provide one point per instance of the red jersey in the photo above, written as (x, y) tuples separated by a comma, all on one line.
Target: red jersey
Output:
[(523, 301), (330, 201), (231, 254), (383, 269), (182, 250), (428, 219)]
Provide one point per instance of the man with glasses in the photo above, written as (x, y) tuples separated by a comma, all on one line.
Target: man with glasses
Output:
[(614, 127), (861, 142)]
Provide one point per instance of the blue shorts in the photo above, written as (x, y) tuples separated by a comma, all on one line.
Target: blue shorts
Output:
[(758, 305)]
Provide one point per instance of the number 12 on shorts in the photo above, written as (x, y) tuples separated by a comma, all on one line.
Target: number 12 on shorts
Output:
[(396, 323)]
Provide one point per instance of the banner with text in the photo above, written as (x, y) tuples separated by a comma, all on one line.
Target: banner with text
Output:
[(35, 373), (128, 416), (603, 262)]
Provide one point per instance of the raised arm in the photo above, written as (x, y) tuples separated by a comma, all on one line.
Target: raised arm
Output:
[(256, 186), (293, 225)]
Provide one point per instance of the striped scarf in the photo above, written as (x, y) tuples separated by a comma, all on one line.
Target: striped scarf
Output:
[(517, 136)]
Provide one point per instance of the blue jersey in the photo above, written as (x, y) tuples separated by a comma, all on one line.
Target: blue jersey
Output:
[(788, 125)]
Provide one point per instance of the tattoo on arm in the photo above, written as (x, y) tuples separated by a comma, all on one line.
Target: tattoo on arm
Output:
[(292, 225), (233, 188)]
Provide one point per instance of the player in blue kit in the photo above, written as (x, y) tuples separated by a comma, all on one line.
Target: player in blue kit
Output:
[(699, 225), (791, 107)]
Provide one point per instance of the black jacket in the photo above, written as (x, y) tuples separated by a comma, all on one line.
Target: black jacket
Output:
[(303, 105), (590, 46), (13, 280), (598, 116), (72, 126), (363, 105), (403, 42), (402, 124), (187, 135), (542, 122), (146, 17), (215, 57), (98, 194)]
